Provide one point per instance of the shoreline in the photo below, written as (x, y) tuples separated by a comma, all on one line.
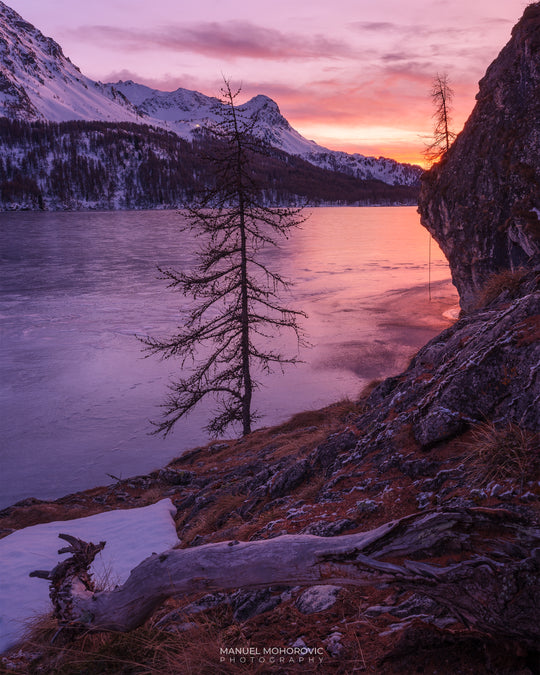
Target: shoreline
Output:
[(92, 390), (160, 207), (408, 321), (387, 458)]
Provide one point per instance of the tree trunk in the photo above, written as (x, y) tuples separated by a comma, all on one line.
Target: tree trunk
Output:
[(497, 594)]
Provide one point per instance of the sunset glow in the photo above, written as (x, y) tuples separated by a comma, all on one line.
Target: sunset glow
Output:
[(353, 75)]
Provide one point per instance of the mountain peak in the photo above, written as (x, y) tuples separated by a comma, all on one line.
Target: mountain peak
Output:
[(267, 110), (262, 101), (38, 82)]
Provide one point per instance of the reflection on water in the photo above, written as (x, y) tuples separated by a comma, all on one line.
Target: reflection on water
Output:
[(75, 391)]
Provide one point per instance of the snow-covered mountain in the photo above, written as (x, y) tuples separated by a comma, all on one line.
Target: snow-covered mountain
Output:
[(37, 82), (184, 111)]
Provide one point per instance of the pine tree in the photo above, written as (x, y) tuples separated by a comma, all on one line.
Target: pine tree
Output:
[(441, 95), (237, 308)]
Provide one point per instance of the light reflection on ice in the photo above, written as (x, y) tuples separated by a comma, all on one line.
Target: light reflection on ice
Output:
[(75, 390)]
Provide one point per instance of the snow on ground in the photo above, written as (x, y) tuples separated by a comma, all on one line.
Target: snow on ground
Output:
[(131, 535)]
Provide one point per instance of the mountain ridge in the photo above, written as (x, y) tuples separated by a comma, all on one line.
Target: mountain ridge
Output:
[(39, 83), (81, 165)]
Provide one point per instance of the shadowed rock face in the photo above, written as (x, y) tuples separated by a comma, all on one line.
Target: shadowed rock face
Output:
[(482, 201)]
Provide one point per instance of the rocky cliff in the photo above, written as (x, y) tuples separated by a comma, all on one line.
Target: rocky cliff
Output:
[(482, 201)]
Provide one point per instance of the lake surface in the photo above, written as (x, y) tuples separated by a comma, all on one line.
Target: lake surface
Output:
[(76, 393)]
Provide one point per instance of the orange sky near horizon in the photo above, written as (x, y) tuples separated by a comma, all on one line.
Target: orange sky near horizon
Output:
[(353, 75)]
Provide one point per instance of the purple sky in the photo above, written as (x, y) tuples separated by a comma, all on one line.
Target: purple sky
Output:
[(352, 74)]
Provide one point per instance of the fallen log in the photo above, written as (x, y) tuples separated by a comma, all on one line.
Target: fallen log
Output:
[(492, 586)]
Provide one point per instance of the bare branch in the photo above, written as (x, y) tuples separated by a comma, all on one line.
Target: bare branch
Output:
[(234, 290), (441, 95)]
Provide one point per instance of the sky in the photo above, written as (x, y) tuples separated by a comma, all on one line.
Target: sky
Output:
[(353, 75)]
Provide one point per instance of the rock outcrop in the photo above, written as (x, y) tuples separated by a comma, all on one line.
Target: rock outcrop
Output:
[(482, 201), (486, 367)]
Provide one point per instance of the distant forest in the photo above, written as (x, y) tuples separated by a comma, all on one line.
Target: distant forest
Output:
[(99, 165)]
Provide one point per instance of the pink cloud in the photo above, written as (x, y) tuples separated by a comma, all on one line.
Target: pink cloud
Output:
[(393, 98), (233, 39), (166, 82)]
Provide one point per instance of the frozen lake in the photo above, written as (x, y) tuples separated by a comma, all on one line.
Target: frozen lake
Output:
[(76, 393)]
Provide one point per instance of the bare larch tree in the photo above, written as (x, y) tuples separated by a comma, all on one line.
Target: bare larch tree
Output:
[(441, 95), (223, 345)]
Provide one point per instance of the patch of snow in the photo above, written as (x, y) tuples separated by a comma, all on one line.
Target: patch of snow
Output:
[(366, 506), (424, 499), (453, 313), (395, 628), (131, 535), (494, 489), (297, 512)]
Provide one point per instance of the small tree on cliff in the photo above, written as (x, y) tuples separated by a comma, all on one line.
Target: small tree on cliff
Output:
[(441, 95), (237, 309)]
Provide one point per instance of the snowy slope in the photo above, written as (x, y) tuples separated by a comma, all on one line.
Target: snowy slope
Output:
[(387, 170), (37, 82), (131, 535), (276, 131), (183, 111)]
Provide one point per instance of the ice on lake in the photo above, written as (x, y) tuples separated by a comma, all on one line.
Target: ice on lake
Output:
[(76, 393)]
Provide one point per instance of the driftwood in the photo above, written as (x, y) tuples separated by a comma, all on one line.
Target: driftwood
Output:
[(493, 587), (71, 578)]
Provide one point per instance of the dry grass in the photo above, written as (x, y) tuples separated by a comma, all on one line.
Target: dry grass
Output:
[(500, 453), (190, 647), (311, 490), (311, 426), (315, 418), (306, 418), (507, 280), (217, 515), (144, 651)]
